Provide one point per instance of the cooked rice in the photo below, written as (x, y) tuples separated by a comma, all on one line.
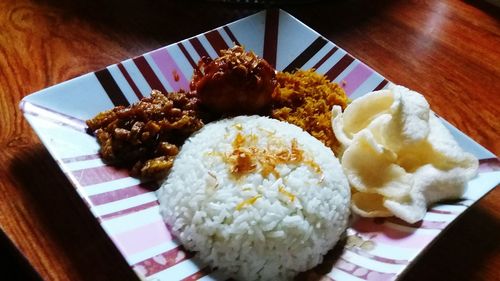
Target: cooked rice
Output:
[(256, 198)]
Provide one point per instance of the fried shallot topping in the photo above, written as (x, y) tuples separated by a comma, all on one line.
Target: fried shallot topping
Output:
[(247, 156)]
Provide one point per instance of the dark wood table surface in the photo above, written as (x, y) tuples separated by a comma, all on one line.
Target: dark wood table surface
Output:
[(447, 50)]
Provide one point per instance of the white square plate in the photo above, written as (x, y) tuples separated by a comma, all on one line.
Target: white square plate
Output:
[(128, 210)]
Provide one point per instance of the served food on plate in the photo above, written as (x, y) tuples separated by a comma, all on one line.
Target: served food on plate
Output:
[(305, 98), (262, 198), (256, 198), (399, 158), (146, 135)]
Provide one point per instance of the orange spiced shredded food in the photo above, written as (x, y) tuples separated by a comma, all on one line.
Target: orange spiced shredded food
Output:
[(146, 135), (305, 98)]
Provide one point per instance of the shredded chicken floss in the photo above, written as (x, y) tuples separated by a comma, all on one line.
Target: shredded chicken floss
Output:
[(146, 135), (305, 98)]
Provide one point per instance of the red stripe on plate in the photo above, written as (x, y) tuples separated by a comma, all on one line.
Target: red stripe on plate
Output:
[(204, 272), (327, 56), (216, 40), (381, 85), (130, 81), (198, 47), (127, 192), (489, 165), (186, 55), (129, 210), (164, 260), (271, 36), (340, 66), (111, 88), (148, 73), (231, 35), (306, 54), (100, 174)]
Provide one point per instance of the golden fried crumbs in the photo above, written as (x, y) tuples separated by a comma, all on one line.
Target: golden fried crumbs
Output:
[(305, 98), (246, 156)]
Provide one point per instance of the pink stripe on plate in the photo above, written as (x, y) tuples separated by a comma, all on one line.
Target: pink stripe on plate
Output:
[(390, 236), (142, 238), (170, 69), (129, 210), (80, 158), (163, 261), (361, 272), (97, 175), (127, 192), (356, 77)]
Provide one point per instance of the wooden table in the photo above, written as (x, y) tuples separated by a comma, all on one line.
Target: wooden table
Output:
[(447, 50)]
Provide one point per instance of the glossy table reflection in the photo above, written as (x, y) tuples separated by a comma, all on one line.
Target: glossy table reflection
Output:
[(447, 50)]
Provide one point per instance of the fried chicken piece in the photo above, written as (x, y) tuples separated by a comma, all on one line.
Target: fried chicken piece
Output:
[(237, 82)]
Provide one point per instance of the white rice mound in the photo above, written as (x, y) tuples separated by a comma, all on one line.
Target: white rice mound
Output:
[(292, 221)]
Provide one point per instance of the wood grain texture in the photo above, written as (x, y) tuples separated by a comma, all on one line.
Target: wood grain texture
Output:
[(447, 50)]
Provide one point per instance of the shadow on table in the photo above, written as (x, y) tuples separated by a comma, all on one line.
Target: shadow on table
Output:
[(456, 245), (170, 21), (66, 222), (486, 6), (13, 264)]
